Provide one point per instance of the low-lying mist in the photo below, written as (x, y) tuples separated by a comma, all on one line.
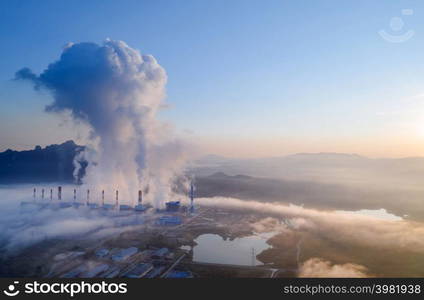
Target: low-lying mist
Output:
[(24, 226), (322, 181), (375, 246)]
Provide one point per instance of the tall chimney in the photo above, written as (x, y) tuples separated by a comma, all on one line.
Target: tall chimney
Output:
[(191, 197), (51, 194), (59, 193), (103, 197), (88, 196), (34, 195), (140, 197), (42, 194), (75, 195), (117, 197)]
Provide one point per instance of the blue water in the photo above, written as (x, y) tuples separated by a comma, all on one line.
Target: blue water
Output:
[(212, 248)]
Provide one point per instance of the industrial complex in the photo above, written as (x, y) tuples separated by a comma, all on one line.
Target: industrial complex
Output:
[(145, 242)]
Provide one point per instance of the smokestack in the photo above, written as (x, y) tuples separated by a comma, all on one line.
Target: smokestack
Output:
[(59, 193), (103, 197), (42, 194), (88, 196), (191, 197), (34, 195), (117, 198), (139, 207), (75, 195), (51, 194), (191, 193)]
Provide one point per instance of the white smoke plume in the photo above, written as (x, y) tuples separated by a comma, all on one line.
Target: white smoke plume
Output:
[(117, 92), (316, 267), (344, 228), (268, 224)]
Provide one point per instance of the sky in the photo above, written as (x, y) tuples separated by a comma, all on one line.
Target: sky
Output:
[(245, 78)]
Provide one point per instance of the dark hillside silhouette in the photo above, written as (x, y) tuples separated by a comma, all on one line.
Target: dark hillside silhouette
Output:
[(52, 163)]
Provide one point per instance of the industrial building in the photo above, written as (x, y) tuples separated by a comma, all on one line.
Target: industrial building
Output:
[(179, 274), (173, 206), (125, 207), (92, 205), (95, 271), (155, 272), (129, 263), (140, 270), (112, 272), (102, 252), (169, 221), (77, 204), (65, 204), (140, 208), (160, 253), (74, 272), (108, 206), (124, 254)]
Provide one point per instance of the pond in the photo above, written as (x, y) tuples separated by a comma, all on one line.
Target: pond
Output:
[(212, 248)]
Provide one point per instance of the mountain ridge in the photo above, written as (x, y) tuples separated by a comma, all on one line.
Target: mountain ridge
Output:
[(48, 164)]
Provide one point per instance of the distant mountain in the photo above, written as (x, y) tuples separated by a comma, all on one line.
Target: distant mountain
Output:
[(329, 156), (393, 198), (49, 164), (330, 168)]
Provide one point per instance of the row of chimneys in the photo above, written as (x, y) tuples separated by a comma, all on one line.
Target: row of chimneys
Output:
[(59, 195)]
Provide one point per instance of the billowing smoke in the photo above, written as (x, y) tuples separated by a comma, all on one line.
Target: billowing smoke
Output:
[(316, 267), (117, 92)]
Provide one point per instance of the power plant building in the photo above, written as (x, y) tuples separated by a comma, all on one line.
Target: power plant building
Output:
[(93, 272), (124, 254), (140, 271), (102, 252), (179, 274), (160, 253), (169, 221), (173, 206)]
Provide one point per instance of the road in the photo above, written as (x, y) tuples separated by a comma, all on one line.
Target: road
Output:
[(272, 271), (173, 266)]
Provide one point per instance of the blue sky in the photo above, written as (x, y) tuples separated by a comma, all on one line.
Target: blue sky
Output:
[(275, 77)]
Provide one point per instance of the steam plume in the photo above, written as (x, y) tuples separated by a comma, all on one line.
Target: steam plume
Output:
[(316, 267), (117, 92)]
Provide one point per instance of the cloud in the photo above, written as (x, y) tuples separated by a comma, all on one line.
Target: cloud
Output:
[(27, 74), (316, 267)]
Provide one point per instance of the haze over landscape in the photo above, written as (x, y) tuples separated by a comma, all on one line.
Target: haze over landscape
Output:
[(297, 129)]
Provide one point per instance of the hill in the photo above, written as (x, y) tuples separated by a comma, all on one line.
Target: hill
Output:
[(50, 164)]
